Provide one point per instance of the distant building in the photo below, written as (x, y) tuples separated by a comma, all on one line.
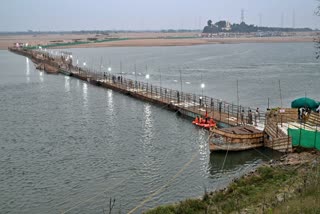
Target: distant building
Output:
[(227, 26), (19, 44)]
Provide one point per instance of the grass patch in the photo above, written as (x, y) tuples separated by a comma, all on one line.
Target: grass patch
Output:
[(189, 206), (268, 190)]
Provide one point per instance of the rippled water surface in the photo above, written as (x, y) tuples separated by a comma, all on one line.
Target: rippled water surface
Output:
[(67, 146)]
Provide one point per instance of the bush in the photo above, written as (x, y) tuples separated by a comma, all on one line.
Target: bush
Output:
[(163, 210)]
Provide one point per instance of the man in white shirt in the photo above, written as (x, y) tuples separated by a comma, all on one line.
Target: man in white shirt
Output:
[(318, 110)]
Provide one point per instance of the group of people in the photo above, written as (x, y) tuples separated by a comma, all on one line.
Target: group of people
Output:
[(303, 112), (206, 120), (252, 117)]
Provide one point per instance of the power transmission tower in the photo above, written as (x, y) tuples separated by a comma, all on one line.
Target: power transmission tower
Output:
[(242, 15), (293, 19), (260, 20)]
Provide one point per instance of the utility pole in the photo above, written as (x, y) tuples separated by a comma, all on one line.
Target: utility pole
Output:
[(238, 100), (100, 65), (293, 19), (260, 20), (135, 76), (160, 84), (280, 93), (242, 15), (180, 81), (160, 78)]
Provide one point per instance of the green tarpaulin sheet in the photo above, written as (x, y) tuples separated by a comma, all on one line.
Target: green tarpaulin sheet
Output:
[(305, 138)]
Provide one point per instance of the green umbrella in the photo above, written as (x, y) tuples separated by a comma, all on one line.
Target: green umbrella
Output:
[(304, 102)]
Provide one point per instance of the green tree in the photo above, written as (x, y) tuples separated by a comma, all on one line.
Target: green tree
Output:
[(221, 24), (210, 28)]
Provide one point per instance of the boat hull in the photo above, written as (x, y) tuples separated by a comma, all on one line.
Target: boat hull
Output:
[(235, 139)]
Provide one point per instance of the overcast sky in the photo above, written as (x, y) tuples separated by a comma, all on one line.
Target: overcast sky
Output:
[(43, 15)]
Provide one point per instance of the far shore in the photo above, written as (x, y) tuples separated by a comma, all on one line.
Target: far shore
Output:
[(145, 40)]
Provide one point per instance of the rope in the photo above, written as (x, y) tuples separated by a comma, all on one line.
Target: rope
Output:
[(98, 194), (164, 186), (150, 196), (168, 182), (262, 154), (225, 157)]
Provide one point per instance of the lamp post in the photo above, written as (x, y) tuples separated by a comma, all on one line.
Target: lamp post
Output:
[(135, 77), (202, 87), (160, 84), (109, 71), (84, 66), (180, 98)]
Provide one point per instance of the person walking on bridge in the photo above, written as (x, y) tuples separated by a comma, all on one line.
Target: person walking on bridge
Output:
[(250, 117), (256, 116), (318, 109), (242, 117)]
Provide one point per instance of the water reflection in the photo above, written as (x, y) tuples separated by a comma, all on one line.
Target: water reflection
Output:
[(85, 94), (147, 124), (110, 101), (67, 83), (41, 76), (149, 161), (220, 162), (27, 70), (203, 151)]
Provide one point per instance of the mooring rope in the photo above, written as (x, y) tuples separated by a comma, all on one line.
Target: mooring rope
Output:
[(165, 185), (168, 182), (150, 196), (262, 154), (98, 194), (225, 157)]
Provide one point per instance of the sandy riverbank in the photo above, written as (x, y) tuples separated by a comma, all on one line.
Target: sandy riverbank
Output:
[(144, 39)]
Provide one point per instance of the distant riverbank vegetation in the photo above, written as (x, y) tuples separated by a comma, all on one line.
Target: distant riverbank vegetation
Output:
[(98, 32), (225, 26)]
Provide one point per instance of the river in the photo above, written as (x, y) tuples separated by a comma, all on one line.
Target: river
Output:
[(68, 146)]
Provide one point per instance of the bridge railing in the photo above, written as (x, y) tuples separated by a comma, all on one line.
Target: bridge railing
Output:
[(195, 102)]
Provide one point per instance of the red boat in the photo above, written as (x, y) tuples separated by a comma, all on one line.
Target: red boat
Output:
[(204, 123)]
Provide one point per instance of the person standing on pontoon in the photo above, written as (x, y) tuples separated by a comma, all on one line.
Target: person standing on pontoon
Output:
[(242, 117), (318, 110), (250, 117)]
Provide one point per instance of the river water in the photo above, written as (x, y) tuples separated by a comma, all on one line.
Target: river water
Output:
[(67, 146)]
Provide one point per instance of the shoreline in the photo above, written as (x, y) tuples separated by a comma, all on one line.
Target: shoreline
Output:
[(155, 41), (185, 42), (278, 186)]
